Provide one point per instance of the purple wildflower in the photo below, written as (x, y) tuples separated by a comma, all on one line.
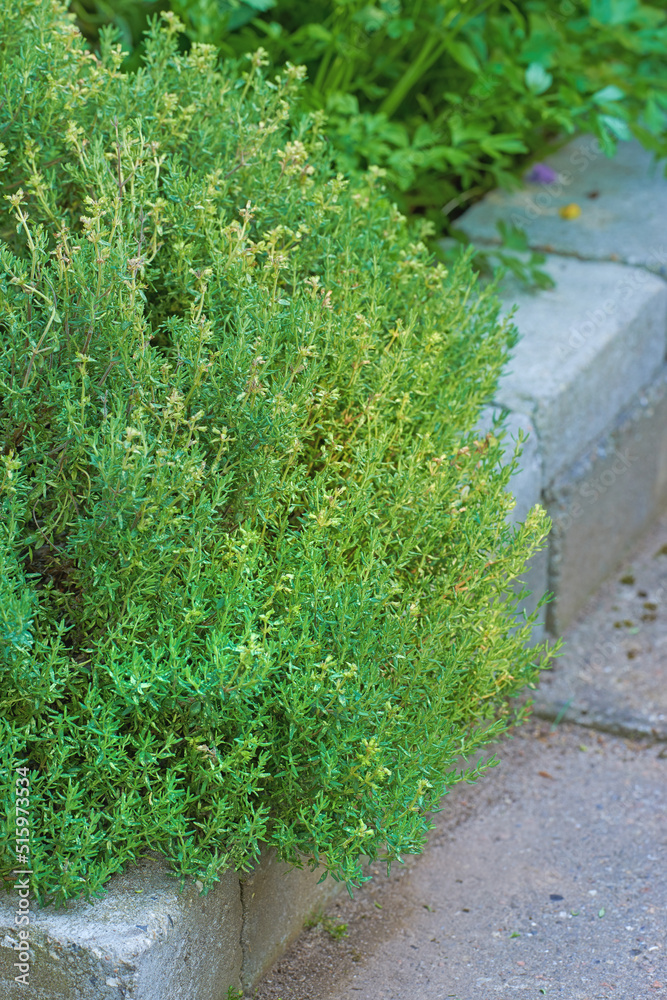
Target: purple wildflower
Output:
[(542, 173)]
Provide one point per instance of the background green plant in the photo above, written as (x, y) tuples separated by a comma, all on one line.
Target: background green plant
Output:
[(255, 571), (452, 97)]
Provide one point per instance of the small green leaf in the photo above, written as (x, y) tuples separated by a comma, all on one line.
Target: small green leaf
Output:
[(601, 912), (614, 11), (654, 116), (620, 130), (513, 237), (495, 144), (399, 26), (610, 93), (464, 56), (537, 78), (424, 136)]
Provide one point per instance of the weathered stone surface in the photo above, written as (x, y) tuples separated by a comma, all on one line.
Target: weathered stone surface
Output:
[(145, 939), (276, 901), (603, 503), (623, 204), (586, 348), (574, 379), (574, 387), (612, 672)]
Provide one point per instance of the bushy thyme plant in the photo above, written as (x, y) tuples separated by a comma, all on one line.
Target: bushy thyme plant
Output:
[(255, 558)]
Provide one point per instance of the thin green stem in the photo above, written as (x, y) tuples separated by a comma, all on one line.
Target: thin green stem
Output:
[(318, 83), (432, 49), (415, 70)]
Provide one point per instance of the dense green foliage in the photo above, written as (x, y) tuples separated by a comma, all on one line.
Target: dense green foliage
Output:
[(450, 97), (254, 554)]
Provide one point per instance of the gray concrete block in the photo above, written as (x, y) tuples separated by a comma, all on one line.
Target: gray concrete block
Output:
[(277, 899), (623, 202), (535, 579), (602, 504), (145, 939), (611, 675), (526, 487), (586, 348)]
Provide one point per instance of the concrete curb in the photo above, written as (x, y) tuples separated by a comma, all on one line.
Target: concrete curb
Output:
[(148, 940), (588, 382), (611, 676), (144, 939), (588, 374), (276, 901), (623, 201)]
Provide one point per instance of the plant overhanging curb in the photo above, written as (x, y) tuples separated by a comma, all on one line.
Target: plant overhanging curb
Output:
[(256, 571)]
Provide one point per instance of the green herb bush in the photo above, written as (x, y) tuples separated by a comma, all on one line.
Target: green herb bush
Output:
[(256, 572), (451, 96)]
